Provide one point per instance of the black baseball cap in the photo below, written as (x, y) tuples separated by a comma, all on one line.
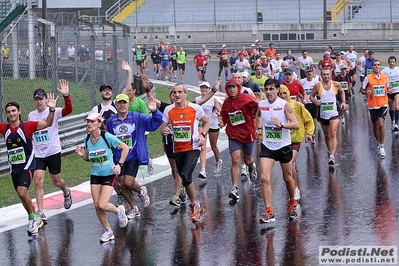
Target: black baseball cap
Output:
[(104, 86), (288, 71), (370, 52), (39, 93), (12, 104)]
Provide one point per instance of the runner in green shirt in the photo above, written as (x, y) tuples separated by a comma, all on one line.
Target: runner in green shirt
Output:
[(181, 62)]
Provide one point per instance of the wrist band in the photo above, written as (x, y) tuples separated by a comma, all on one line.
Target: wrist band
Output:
[(51, 110), (148, 90), (214, 91)]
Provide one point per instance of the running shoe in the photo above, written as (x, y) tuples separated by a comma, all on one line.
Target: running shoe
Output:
[(218, 166), (145, 199), (297, 194), (183, 195), (122, 218), (107, 236), (292, 211), (120, 200), (381, 152), (343, 120), (331, 160), (253, 175), (268, 216), (244, 171), (395, 127), (314, 139), (42, 216), (68, 200), (196, 211), (175, 201), (202, 174), (134, 213), (32, 227), (150, 167), (234, 194)]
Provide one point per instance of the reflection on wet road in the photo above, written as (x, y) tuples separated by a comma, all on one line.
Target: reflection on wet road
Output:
[(354, 203)]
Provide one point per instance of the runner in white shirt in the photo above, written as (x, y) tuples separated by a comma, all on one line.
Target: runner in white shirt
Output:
[(47, 147), (242, 64), (277, 63), (351, 55), (303, 62), (393, 98)]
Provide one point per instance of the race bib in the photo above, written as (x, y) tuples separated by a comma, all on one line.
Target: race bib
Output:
[(200, 68), (369, 71), (308, 91), (237, 118), (41, 137), (139, 57), (225, 57), (241, 70), (233, 66), (166, 57), (327, 106), (352, 60), (277, 70), (394, 84), (293, 98), (127, 139), (274, 134), (17, 155), (182, 133), (379, 90), (98, 157), (344, 85), (304, 66)]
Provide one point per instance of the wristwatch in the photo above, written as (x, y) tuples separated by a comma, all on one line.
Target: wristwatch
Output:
[(120, 164), (282, 125), (203, 134)]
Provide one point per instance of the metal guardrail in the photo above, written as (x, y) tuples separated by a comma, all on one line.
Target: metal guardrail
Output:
[(116, 9), (71, 130)]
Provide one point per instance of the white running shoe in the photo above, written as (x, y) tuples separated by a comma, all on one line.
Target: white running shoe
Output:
[(107, 236), (202, 174), (134, 213), (218, 166), (145, 199), (381, 152), (244, 170), (297, 194), (150, 167), (122, 218)]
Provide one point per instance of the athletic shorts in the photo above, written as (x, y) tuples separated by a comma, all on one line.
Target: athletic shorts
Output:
[(213, 130), (312, 108), (283, 155), (182, 66), (392, 95), (296, 146), (71, 59), (186, 162), (375, 114), (164, 64), (247, 147), (326, 122), (200, 68), (361, 79), (352, 72), (130, 168), (174, 64), (22, 179), (139, 63), (156, 61), (53, 162), (223, 64), (103, 180)]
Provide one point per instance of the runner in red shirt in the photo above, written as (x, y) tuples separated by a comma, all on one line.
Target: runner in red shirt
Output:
[(199, 62), (224, 61)]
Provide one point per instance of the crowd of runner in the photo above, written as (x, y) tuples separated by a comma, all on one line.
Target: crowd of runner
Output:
[(266, 104)]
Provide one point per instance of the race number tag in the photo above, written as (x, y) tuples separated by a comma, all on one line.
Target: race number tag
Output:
[(308, 91), (182, 133), (293, 98), (41, 137), (394, 84), (327, 106), (200, 68), (127, 139), (344, 85), (237, 118), (379, 90), (17, 155), (274, 134), (369, 71), (99, 157), (225, 57)]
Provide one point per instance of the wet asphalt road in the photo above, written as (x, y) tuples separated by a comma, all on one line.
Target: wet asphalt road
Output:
[(353, 204)]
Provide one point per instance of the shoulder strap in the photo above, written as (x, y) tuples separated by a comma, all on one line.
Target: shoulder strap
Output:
[(99, 107), (105, 139), (102, 135)]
